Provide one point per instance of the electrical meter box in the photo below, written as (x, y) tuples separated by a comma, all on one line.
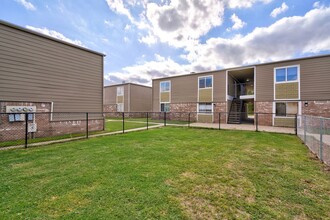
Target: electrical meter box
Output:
[(17, 113)]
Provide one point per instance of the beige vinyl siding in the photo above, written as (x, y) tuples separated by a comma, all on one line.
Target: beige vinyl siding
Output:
[(219, 86), (155, 96), (205, 118), (110, 95), (126, 97), (205, 95), (37, 69), (140, 98), (184, 89), (165, 96), (315, 78), (287, 90)]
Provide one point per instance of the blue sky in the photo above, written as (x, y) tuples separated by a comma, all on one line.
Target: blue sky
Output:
[(145, 39)]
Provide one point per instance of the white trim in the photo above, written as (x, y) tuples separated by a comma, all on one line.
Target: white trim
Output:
[(230, 98), (160, 106), (210, 113), (279, 101), (246, 96), (227, 87), (160, 92), (169, 81), (211, 96), (129, 98), (205, 83), (254, 84), (274, 88)]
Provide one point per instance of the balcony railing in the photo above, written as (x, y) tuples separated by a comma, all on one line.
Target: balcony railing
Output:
[(239, 89)]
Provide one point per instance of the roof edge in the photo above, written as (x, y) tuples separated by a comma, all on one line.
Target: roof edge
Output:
[(246, 66), (6, 23), (123, 84)]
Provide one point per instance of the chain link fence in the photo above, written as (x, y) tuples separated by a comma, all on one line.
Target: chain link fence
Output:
[(30, 129), (315, 133)]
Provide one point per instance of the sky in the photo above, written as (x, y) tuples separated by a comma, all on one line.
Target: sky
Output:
[(147, 39)]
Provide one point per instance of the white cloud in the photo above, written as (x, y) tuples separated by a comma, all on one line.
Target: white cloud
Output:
[(283, 39), (108, 23), (28, 5), (149, 39), (245, 3), (142, 73), (55, 34), (237, 22), (182, 22), (126, 40), (119, 7), (283, 8)]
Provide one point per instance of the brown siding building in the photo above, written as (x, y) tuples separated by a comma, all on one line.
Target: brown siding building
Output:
[(280, 89), (48, 74), (127, 97)]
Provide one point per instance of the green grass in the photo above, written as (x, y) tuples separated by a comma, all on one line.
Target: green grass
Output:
[(159, 121), (167, 173), (110, 126)]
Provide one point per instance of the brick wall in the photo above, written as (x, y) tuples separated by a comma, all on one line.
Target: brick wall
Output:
[(265, 119), (222, 108), (47, 125), (110, 108), (316, 108)]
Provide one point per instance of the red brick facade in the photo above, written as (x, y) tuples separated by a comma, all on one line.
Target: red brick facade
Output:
[(265, 110), (110, 108), (48, 124), (316, 108)]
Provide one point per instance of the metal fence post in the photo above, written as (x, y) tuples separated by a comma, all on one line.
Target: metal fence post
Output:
[(296, 124), (123, 122), (189, 119), (147, 121), (86, 124), (305, 129), (257, 119), (219, 120), (26, 130), (164, 118), (321, 139)]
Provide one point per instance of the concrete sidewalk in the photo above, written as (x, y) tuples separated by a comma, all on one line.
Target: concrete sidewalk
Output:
[(244, 127)]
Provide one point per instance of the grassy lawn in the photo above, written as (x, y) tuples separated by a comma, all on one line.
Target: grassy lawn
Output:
[(110, 126), (158, 121), (168, 173)]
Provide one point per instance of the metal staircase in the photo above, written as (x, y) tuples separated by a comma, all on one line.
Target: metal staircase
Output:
[(234, 116)]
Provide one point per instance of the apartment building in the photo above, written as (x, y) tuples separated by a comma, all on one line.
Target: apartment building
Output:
[(127, 97), (276, 90), (41, 74)]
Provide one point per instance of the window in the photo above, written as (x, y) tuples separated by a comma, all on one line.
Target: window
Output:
[(205, 108), (165, 86), (120, 91), (120, 107), (164, 107), (205, 82), (286, 109), (286, 74)]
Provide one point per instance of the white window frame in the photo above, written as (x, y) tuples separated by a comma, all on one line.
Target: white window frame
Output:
[(120, 91), (160, 86), (123, 109), (298, 81), (286, 74), (206, 113), (200, 77), (279, 101), (160, 106)]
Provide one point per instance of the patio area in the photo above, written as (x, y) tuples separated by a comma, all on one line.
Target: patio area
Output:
[(245, 127)]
